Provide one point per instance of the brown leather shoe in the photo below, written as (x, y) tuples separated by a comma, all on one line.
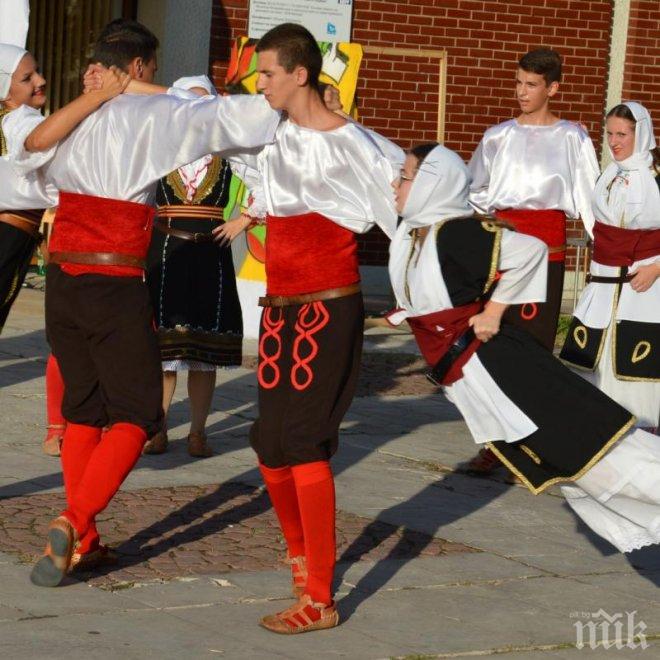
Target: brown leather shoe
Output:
[(198, 446), (304, 616), (485, 462), (52, 444), (298, 575), (50, 570), (157, 444)]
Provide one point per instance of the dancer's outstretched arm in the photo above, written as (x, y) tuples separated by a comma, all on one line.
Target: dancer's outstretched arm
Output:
[(57, 126)]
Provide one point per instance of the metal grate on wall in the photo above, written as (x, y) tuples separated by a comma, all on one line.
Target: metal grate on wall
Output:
[(61, 36)]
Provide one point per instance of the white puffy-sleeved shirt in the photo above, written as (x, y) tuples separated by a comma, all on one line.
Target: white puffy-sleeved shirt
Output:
[(345, 174), (518, 166), (420, 289), (121, 150), (28, 191)]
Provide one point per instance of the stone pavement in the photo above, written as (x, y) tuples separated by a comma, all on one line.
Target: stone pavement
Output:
[(432, 562)]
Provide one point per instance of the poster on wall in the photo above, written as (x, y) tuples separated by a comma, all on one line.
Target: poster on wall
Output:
[(341, 67), (327, 20)]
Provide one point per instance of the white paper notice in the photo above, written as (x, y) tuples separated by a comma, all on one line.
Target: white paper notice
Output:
[(327, 20)]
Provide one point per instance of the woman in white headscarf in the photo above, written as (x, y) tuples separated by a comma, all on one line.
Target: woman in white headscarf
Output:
[(614, 338), (454, 274)]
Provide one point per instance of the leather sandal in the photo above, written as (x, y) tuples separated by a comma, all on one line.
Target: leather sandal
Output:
[(304, 616), (485, 462), (87, 561), (50, 570), (52, 444), (298, 575), (198, 446), (157, 444)]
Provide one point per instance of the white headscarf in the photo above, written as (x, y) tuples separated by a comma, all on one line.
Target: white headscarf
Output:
[(439, 191), (10, 56), (640, 197)]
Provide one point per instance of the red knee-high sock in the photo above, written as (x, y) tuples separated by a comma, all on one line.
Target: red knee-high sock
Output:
[(315, 486), (283, 496), (108, 466), (54, 392), (79, 443)]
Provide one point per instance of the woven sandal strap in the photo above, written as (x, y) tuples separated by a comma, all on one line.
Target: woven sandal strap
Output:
[(299, 618)]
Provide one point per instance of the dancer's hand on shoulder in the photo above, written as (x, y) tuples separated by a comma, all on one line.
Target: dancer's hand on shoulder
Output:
[(108, 83), (228, 231), (92, 79), (115, 81), (645, 276)]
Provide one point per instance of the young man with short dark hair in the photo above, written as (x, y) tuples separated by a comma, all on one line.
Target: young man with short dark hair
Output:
[(99, 319), (322, 180), (534, 171)]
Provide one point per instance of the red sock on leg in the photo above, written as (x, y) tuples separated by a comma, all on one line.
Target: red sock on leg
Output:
[(283, 496), (108, 466), (54, 392), (315, 486), (79, 443)]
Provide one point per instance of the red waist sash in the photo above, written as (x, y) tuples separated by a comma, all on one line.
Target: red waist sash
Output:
[(617, 246), (84, 223), (437, 332), (548, 226), (308, 253)]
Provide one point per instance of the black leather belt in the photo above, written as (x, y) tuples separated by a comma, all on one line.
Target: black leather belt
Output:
[(194, 237), (601, 279)]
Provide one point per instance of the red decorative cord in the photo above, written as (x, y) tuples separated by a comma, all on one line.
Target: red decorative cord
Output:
[(307, 326), (272, 329)]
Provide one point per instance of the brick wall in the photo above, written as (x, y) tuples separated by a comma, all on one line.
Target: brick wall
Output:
[(398, 96), (642, 68)]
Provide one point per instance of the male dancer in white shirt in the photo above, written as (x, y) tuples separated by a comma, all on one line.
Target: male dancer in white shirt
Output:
[(321, 181), (534, 171)]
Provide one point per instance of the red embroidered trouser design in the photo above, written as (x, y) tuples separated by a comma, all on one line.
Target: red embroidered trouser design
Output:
[(271, 330), (311, 319), (306, 328)]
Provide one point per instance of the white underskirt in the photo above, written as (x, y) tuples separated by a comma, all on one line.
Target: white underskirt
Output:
[(187, 365), (641, 398), (619, 498)]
